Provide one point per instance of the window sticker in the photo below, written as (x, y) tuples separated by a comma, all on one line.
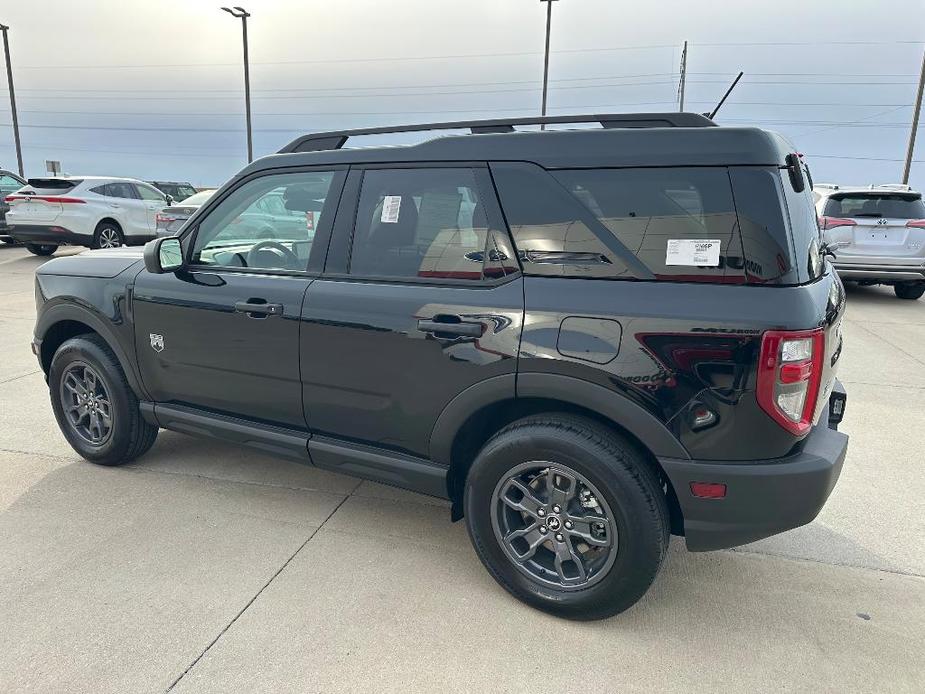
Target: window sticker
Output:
[(390, 207), (693, 252)]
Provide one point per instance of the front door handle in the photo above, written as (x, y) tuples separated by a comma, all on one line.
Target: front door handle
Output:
[(449, 325), (258, 309)]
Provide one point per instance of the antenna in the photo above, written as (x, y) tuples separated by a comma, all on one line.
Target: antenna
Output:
[(726, 95)]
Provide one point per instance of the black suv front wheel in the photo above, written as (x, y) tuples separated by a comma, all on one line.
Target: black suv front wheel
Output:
[(96, 409), (567, 516)]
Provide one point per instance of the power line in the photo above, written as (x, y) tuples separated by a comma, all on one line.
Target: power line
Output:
[(331, 61), (835, 156)]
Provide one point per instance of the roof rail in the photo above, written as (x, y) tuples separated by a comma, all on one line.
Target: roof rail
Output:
[(336, 139), (894, 186), (827, 186)]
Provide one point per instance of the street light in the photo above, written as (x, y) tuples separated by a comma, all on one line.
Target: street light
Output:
[(9, 80), (242, 14), (546, 57)]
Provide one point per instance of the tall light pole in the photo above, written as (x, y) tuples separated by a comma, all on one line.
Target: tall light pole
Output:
[(243, 14), (546, 56), (915, 123), (9, 81)]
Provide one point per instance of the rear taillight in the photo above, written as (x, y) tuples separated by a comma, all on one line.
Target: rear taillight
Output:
[(789, 375), (917, 223), (164, 218), (831, 222), (43, 198)]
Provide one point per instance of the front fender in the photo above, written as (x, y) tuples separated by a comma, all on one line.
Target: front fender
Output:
[(117, 332)]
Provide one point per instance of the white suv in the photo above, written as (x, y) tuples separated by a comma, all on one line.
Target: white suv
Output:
[(877, 234), (87, 211)]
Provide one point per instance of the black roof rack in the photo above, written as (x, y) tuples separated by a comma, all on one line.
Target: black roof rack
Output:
[(336, 139)]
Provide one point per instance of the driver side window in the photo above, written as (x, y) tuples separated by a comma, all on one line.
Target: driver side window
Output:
[(268, 223)]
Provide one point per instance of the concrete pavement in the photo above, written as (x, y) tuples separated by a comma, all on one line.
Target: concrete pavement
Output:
[(203, 567)]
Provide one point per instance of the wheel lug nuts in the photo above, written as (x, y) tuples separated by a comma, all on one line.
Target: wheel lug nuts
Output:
[(560, 537), (543, 529), (568, 525), (541, 512), (556, 509)]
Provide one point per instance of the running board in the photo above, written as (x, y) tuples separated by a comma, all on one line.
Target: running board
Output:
[(369, 462)]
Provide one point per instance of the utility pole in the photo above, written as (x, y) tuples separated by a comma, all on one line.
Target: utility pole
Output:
[(546, 57), (242, 14), (9, 81), (915, 123), (683, 77)]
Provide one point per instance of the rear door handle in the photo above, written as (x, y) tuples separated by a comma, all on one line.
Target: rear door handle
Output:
[(450, 325), (258, 309)]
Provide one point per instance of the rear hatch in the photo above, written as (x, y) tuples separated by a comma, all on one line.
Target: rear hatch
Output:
[(41, 200), (886, 228)]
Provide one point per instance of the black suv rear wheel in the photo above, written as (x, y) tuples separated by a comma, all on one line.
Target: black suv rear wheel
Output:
[(567, 516), (96, 409), (909, 290)]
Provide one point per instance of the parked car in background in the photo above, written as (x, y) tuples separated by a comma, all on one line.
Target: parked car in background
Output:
[(177, 191), (877, 234), (271, 216), (91, 211), (9, 183), (170, 219)]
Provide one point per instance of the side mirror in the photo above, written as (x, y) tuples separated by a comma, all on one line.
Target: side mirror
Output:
[(163, 255), (168, 198), (797, 180)]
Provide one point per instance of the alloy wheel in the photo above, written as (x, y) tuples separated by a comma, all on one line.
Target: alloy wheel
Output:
[(86, 403), (554, 525), (109, 238)]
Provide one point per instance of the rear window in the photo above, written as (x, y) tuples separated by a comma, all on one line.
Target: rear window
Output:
[(665, 223), (54, 185), (896, 205)]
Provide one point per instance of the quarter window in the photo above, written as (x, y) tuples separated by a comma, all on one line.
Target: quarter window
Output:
[(246, 230), (121, 190), (420, 223)]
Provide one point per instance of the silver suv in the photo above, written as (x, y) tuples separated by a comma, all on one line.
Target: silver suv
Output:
[(876, 233)]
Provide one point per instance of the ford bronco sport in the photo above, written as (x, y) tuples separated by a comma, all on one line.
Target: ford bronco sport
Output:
[(586, 339)]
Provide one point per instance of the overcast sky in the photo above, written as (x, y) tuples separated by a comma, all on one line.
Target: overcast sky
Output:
[(154, 89)]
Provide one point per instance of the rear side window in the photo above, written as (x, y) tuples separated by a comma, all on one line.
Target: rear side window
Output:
[(804, 229), (122, 190), (663, 223), (420, 223), (895, 205)]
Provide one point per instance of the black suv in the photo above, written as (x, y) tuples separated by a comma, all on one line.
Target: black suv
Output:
[(586, 339)]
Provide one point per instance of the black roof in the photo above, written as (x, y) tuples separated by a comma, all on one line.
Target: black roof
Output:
[(646, 139)]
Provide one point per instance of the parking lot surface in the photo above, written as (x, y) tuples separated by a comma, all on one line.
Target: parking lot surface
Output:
[(203, 567)]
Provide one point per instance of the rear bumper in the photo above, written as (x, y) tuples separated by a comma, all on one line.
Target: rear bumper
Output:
[(51, 234), (763, 497), (888, 273)]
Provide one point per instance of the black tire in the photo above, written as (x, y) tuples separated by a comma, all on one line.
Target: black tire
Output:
[(41, 248), (909, 290), (108, 235), (130, 435), (619, 472), (8, 240)]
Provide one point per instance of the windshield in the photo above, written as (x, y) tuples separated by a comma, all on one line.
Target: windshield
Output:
[(896, 205)]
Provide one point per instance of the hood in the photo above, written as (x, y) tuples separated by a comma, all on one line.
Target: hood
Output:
[(105, 262)]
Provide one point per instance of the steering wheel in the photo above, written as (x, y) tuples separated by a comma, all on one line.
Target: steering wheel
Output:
[(287, 258)]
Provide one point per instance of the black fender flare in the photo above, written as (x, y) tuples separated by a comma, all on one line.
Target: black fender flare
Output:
[(618, 408), (642, 424), (52, 315)]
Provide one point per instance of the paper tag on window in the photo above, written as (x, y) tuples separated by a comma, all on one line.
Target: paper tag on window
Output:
[(390, 206), (310, 220), (694, 252)]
